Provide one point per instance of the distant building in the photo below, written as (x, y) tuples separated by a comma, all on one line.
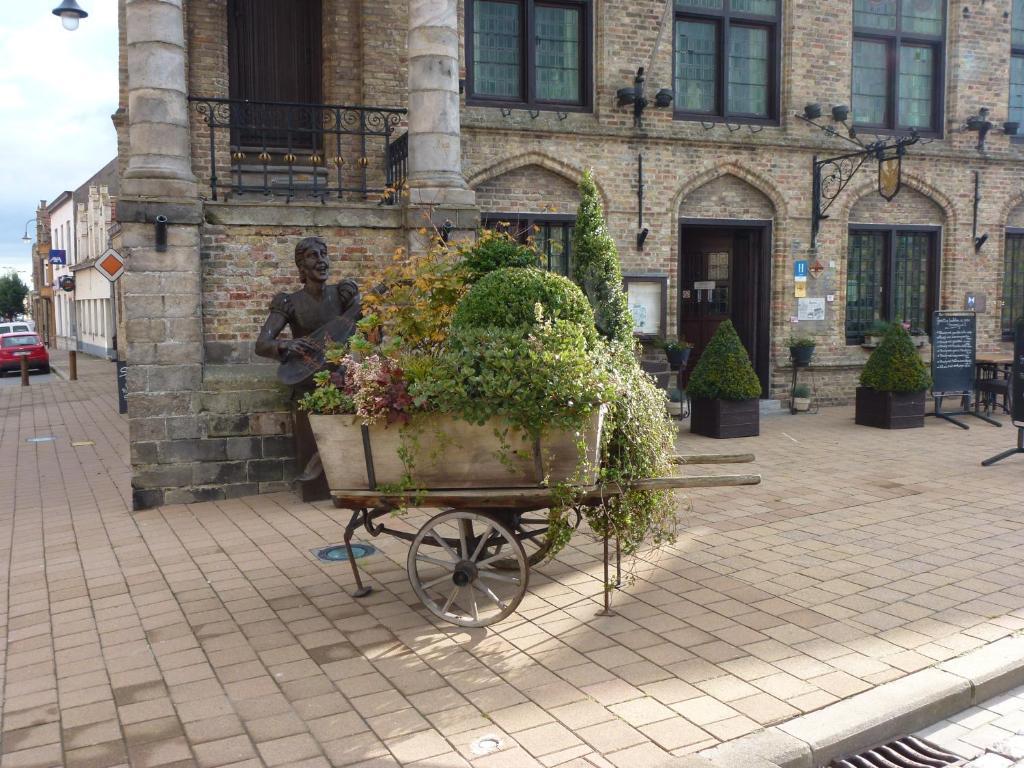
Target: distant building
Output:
[(61, 213)]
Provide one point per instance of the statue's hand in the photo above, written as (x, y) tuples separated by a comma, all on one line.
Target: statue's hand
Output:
[(291, 348)]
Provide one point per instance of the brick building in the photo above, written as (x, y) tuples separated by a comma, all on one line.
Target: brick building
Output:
[(491, 110)]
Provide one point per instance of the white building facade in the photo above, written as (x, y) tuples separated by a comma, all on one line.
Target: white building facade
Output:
[(62, 240), (92, 290)]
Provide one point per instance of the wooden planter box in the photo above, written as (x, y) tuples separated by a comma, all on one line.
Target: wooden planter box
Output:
[(451, 453), (889, 410), (725, 418)]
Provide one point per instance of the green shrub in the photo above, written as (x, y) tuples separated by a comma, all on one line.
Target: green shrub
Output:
[(496, 250), (724, 371), (800, 342), (895, 365), (801, 390), (540, 378), (508, 298), (596, 267)]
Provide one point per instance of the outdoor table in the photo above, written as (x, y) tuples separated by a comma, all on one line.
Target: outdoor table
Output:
[(989, 369)]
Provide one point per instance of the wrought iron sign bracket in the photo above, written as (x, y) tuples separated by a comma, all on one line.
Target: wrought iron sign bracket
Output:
[(831, 175)]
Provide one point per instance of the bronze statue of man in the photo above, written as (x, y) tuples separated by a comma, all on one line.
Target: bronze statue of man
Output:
[(317, 315)]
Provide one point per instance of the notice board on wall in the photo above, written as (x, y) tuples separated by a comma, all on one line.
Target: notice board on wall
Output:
[(954, 335)]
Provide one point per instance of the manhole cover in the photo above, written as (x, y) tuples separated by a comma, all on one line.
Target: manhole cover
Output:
[(908, 752), (336, 552), (485, 745), (47, 439)]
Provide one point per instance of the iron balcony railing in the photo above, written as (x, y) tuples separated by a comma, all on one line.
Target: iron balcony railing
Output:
[(303, 150)]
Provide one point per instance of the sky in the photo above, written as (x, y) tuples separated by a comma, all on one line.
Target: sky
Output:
[(58, 90)]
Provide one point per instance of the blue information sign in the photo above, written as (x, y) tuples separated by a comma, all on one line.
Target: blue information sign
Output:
[(58, 257), (800, 268)]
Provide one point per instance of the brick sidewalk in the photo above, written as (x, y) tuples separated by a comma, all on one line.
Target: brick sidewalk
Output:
[(208, 634)]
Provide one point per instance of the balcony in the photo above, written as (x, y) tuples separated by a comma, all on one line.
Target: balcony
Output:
[(302, 151)]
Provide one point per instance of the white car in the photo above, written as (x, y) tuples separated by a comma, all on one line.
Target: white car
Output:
[(16, 326)]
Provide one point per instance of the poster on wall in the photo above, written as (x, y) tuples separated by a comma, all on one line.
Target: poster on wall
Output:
[(646, 298), (810, 309)]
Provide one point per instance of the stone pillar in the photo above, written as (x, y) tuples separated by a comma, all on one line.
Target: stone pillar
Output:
[(159, 163), (161, 290)]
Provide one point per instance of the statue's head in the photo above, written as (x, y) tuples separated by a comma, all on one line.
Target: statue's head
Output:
[(312, 260)]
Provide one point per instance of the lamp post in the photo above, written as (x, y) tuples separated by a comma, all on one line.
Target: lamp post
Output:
[(70, 14), (25, 238)]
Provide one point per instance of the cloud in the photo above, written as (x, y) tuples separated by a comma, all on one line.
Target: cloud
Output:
[(57, 92)]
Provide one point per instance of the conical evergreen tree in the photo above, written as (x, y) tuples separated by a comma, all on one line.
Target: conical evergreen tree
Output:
[(724, 371), (895, 365), (596, 266)]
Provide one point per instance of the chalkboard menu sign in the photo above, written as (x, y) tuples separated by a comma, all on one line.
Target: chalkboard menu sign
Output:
[(1017, 378), (953, 339)]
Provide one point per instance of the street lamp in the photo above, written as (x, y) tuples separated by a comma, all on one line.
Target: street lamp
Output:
[(25, 238), (70, 14)]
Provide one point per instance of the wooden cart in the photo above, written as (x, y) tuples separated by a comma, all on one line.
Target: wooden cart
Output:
[(470, 563)]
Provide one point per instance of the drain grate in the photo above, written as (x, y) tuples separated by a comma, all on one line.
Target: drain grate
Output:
[(908, 752), (336, 552)]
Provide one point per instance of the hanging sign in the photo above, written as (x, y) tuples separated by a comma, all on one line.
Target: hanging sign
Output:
[(110, 264), (890, 176), (58, 257)]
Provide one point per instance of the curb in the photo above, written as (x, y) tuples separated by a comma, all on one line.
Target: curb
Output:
[(874, 717)]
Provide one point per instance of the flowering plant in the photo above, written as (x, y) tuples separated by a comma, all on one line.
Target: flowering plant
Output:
[(373, 388)]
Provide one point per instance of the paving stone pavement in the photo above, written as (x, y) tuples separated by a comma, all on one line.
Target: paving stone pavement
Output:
[(208, 634), (990, 735)]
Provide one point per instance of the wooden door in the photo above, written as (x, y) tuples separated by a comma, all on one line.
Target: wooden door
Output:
[(735, 261), (274, 55)]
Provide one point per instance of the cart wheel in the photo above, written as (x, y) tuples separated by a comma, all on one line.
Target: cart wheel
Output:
[(531, 530), (452, 568)]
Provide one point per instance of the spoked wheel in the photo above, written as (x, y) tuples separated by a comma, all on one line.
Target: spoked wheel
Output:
[(531, 530), (452, 568)]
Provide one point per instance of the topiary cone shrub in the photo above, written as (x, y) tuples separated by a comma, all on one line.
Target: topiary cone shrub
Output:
[(893, 383), (724, 389), (596, 267)]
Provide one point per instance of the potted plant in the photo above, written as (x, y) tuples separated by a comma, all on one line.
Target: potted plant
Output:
[(875, 333), (801, 350), (801, 398), (675, 402), (724, 389), (678, 353), (892, 384)]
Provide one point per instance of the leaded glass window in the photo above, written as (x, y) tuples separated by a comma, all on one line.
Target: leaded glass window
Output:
[(726, 59), (748, 71), (1016, 105), (696, 65), (558, 53), (550, 234), (1013, 283), (917, 74), (898, 60), (891, 276), (863, 283), (497, 66), (870, 81), (529, 52)]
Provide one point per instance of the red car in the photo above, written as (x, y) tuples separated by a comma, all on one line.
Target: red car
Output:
[(14, 346)]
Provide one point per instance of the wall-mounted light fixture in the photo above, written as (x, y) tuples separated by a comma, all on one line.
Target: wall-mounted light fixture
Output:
[(979, 123), (70, 14), (636, 97)]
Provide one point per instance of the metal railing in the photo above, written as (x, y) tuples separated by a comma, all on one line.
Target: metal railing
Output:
[(303, 150)]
